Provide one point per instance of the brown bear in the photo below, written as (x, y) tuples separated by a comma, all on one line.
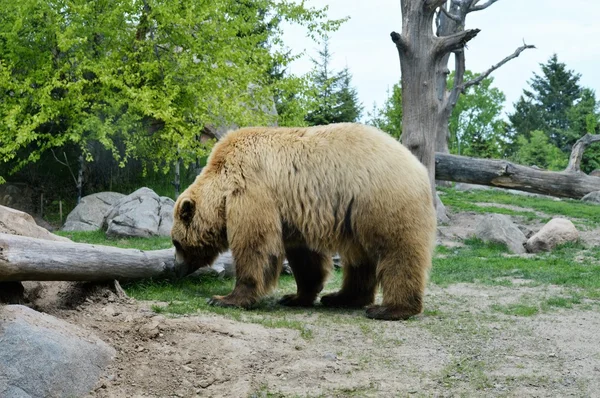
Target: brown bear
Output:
[(271, 193)]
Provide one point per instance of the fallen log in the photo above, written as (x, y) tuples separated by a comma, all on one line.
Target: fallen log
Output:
[(30, 259), (504, 174)]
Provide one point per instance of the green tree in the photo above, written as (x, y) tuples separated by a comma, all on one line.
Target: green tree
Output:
[(332, 98), (539, 151), (139, 78), (546, 106), (476, 127), (388, 118)]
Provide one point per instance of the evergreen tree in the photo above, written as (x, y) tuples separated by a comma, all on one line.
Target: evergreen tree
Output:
[(546, 106), (348, 108), (333, 98)]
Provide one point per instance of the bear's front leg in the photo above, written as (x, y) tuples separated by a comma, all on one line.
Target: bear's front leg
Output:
[(244, 295), (256, 275), (255, 240)]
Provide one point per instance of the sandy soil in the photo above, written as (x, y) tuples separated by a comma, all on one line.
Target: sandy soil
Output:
[(461, 346)]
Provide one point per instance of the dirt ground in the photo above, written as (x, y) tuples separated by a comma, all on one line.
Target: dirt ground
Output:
[(460, 346)]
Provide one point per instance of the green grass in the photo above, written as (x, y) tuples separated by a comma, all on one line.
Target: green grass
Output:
[(573, 209), (488, 264), (190, 295), (99, 238)]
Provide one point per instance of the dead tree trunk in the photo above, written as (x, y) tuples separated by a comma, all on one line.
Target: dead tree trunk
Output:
[(23, 258), (504, 174), (574, 165), (426, 104)]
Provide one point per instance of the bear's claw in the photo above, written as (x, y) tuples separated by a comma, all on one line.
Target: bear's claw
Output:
[(293, 300)]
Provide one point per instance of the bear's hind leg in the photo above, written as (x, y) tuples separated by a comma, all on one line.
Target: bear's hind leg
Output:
[(403, 277), (358, 287), (311, 270)]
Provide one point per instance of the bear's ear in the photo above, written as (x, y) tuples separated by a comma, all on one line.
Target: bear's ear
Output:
[(186, 210)]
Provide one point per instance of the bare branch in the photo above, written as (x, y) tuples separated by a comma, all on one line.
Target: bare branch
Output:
[(475, 7), (577, 152), (459, 74), (65, 163), (485, 74), (454, 42), (455, 18), (399, 41)]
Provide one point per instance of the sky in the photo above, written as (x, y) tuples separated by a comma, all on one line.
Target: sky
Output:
[(568, 28)]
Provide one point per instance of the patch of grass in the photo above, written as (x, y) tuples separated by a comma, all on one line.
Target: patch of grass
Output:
[(478, 262), (573, 209), (190, 295), (99, 238), (517, 309)]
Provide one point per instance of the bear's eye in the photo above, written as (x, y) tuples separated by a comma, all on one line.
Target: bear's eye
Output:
[(177, 245)]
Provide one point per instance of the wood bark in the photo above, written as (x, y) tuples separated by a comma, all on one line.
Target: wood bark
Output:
[(424, 56), (577, 151), (23, 258), (504, 174)]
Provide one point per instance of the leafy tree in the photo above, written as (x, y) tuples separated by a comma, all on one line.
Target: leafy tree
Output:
[(139, 78), (476, 127), (333, 99), (539, 151), (388, 118)]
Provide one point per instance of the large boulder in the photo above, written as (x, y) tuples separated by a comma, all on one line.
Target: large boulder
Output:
[(592, 197), (16, 222), (89, 214), (498, 228), (557, 231), (141, 214), (595, 173), (42, 356)]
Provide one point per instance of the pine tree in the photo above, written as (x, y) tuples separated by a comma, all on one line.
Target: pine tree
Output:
[(334, 100), (546, 106)]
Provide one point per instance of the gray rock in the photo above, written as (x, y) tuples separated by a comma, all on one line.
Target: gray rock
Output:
[(16, 222), (89, 214), (592, 197), (440, 209), (595, 173), (498, 228), (557, 231), (142, 214), (42, 356)]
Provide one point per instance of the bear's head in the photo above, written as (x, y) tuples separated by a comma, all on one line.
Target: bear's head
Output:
[(199, 231)]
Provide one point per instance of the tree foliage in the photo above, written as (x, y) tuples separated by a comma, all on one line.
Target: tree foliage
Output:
[(537, 150), (560, 107), (388, 118), (476, 127), (139, 77), (332, 98)]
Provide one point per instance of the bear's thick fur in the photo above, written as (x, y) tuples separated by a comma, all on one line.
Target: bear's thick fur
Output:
[(306, 193)]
